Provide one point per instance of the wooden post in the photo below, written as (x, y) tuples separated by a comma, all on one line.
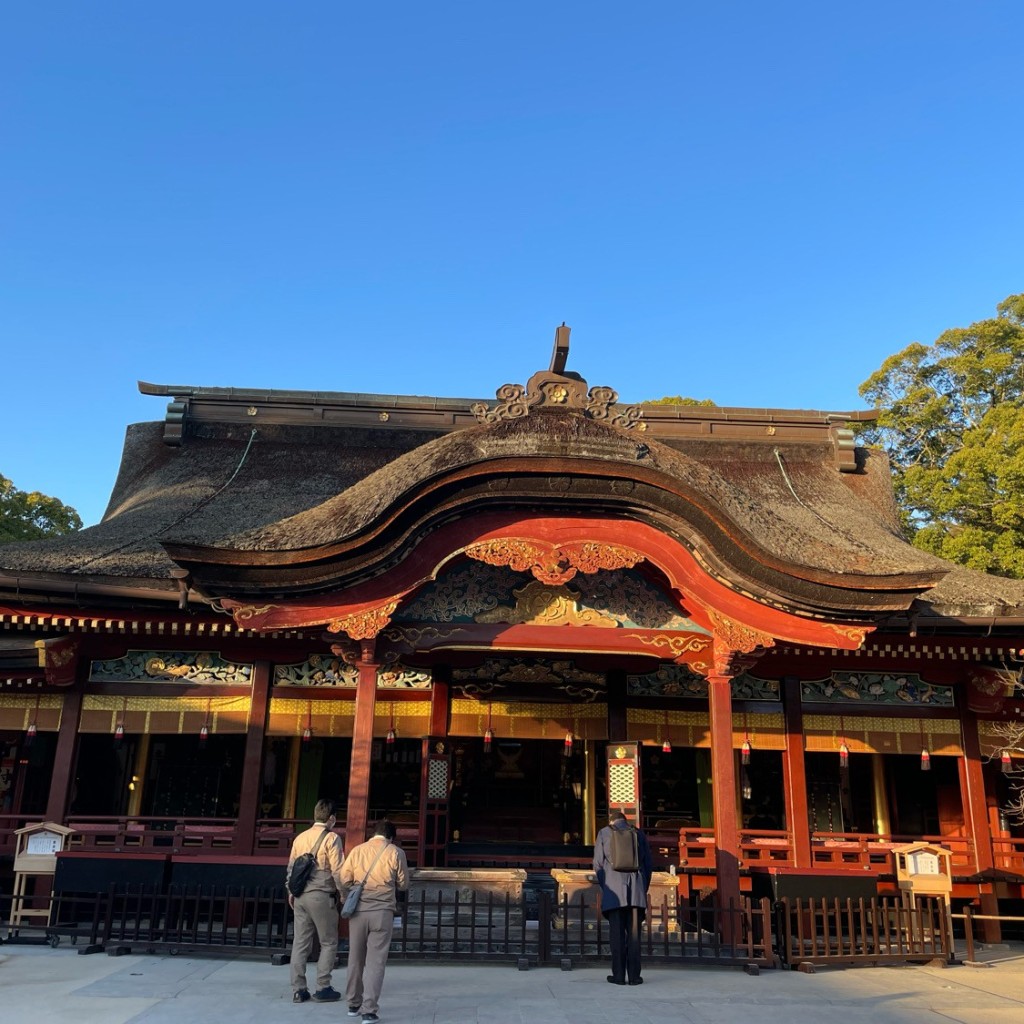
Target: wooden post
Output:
[(291, 781), (63, 777), (795, 774), (972, 787), (358, 810), (138, 781), (880, 793), (723, 771), (252, 764), (617, 729), (442, 676)]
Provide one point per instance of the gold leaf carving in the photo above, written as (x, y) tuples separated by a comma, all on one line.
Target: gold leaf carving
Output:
[(738, 637), (366, 624), (550, 564), (538, 604), (855, 633), (676, 643), (250, 611), (590, 556)]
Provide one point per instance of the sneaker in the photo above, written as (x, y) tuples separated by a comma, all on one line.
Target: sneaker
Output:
[(353, 1011), (302, 996), (370, 1018), (326, 995)]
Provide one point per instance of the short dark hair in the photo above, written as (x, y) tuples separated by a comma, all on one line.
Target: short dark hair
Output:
[(386, 829), (616, 815), (324, 809)]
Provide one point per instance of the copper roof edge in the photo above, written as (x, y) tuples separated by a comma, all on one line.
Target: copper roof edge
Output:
[(231, 396)]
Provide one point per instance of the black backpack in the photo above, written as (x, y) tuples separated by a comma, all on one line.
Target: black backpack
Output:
[(623, 851), (303, 867)]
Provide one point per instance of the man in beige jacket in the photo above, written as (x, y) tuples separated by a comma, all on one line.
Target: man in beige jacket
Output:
[(386, 871), (316, 909)]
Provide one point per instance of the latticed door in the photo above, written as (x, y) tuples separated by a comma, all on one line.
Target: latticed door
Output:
[(624, 780), (436, 786)]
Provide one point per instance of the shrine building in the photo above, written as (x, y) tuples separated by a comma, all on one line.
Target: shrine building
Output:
[(494, 621)]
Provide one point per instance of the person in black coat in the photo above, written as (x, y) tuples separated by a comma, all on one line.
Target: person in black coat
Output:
[(623, 900)]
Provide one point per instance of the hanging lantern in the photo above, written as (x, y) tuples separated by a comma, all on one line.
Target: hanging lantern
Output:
[(390, 738), (567, 747), (1005, 761), (666, 747), (844, 755), (307, 734), (745, 751), (746, 789), (119, 728), (926, 760), (30, 735), (488, 740), (204, 731)]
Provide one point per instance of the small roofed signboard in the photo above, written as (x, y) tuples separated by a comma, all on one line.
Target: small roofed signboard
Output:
[(923, 869)]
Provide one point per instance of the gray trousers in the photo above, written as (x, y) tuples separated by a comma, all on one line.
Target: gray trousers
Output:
[(369, 941), (316, 916)]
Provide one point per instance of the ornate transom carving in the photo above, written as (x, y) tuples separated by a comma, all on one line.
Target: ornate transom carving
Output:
[(538, 604), (875, 688), (171, 666)]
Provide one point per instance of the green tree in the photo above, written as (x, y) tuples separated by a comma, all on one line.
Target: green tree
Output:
[(28, 515), (952, 421)]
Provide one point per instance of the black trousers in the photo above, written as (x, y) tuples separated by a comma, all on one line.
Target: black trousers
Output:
[(624, 939)]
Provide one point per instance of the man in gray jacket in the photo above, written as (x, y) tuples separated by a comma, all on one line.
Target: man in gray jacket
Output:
[(386, 871), (316, 909), (623, 900)]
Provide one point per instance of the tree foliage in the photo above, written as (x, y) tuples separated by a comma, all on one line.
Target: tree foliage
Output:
[(952, 421), (678, 400), (29, 515)]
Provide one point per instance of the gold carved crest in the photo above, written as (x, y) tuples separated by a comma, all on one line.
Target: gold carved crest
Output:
[(550, 563), (539, 604)]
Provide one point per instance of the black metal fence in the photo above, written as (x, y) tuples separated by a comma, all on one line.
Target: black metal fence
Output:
[(446, 924)]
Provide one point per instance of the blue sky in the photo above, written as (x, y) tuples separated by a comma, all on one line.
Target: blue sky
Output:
[(749, 202)]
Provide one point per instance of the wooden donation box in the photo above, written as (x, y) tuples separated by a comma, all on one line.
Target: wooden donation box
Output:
[(35, 854), (923, 869)]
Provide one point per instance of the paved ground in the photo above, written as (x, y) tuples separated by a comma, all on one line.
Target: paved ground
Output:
[(39, 986)]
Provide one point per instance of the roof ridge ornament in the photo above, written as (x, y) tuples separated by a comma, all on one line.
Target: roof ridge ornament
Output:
[(556, 388)]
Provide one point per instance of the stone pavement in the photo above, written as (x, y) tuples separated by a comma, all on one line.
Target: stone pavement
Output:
[(39, 985)]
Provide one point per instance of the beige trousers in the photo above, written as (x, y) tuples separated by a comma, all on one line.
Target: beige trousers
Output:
[(316, 916), (369, 941)]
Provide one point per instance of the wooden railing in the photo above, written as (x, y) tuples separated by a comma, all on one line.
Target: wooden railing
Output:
[(689, 847), (857, 850), (1009, 855), (838, 850), (102, 834), (9, 824)]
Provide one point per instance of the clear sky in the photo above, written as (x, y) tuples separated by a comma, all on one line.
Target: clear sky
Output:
[(745, 201)]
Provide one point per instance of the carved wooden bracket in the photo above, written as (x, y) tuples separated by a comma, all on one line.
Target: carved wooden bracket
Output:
[(733, 640), (365, 624)]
